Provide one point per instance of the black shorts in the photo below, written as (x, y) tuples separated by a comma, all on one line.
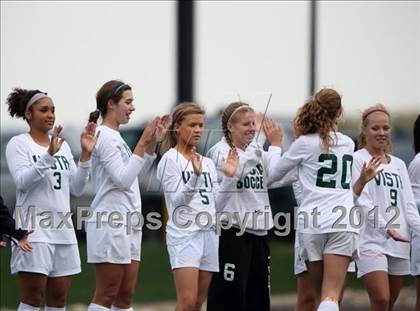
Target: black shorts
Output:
[(243, 282)]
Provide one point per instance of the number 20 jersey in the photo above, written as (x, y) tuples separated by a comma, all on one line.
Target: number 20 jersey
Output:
[(325, 177)]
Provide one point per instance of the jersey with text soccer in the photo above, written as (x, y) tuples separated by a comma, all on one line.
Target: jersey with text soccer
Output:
[(247, 202)]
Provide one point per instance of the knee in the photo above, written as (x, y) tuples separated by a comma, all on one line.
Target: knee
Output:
[(106, 296), (124, 298), (56, 299), (198, 305), (306, 303), (187, 304), (33, 296), (381, 302)]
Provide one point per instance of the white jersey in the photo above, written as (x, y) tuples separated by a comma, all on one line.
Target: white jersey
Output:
[(44, 182), (249, 199), (115, 174), (414, 173), (326, 197), (187, 194), (391, 194)]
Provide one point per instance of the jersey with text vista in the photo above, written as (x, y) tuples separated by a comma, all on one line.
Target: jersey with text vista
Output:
[(43, 185), (187, 195), (388, 202)]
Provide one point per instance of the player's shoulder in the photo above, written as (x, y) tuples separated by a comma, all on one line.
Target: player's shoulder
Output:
[(415, 163), (397, 162), (361, 154), (20, 138), (344, 139), (171, 157), (20, 141), (220, 147)]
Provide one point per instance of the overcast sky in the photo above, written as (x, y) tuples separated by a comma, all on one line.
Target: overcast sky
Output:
[(368, 51)]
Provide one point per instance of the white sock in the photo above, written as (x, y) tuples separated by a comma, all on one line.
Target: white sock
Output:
[(54, 309), (25, 307), (327, 305), (95, 307), (114, 308)]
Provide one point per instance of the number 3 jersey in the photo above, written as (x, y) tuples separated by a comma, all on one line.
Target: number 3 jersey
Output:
[(388, 202), (43, 186)]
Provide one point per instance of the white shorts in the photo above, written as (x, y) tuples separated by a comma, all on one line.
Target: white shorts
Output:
[(373, 261), (315, 246), (199, 251), (52, 260), (112, 245), (300, 265), (415, 255)]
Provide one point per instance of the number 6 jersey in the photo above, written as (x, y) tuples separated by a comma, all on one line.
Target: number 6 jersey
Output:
[(44, 182)]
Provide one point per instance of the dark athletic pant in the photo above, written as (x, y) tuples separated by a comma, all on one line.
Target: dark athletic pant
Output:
[(243, 282)]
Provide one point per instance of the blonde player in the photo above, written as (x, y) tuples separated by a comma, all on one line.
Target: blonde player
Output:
[(243, 282), (45, 174), (414, 173), (390, 208), (113, 245), (190, 186)]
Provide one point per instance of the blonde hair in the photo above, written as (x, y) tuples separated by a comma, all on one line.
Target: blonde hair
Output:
[(177, 116), (230, 114), (319, 115), (361, 142)]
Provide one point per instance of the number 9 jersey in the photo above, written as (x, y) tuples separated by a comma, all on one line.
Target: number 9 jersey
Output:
[(388, 203)]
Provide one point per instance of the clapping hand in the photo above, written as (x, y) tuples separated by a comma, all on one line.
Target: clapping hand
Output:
[(230, 164), (56, 140)]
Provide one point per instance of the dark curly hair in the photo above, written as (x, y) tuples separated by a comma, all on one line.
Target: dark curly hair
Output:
[(17, 101)]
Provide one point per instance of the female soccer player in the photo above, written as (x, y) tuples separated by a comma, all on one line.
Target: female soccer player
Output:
[(44, 172), (390, 208), (414, 173), (112, 244), (243, 282), (191, 189), (323, 157)]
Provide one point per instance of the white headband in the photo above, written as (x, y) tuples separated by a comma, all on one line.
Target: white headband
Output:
[(236, 110), (35, 98)]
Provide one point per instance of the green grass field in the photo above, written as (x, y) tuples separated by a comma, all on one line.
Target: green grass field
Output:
[(155, 281)]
